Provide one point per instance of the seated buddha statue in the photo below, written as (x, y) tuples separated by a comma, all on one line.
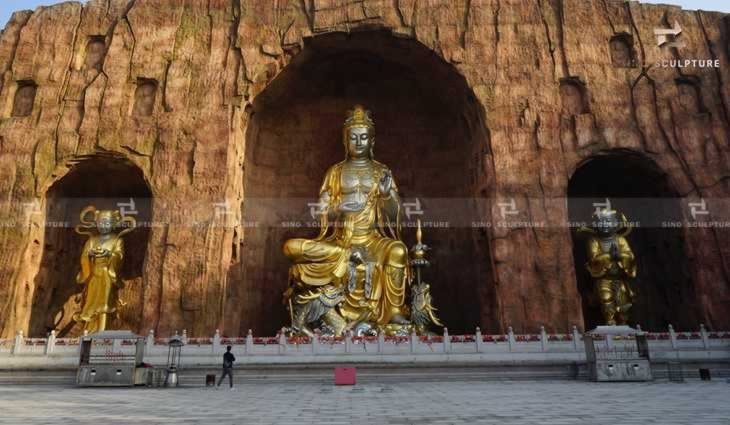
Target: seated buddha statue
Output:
[(355, 273)]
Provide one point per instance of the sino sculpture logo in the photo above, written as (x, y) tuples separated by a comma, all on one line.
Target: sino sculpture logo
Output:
[(664, 35), (668, 40)]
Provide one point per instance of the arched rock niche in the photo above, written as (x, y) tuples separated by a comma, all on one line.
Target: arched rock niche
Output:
[(690, 98), (622, 51), (636, 187), (430, 130), (144, 97), (573, 96), (95, 51), (106, 183), (24, 98)]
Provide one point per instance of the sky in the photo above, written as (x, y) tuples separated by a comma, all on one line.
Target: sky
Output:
[(7, 7)]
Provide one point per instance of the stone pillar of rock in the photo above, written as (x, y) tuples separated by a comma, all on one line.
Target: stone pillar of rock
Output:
[(169, 87)]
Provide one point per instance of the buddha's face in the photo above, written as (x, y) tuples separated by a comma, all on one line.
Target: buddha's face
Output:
[(359, 142), (105, 224), (607, 224)]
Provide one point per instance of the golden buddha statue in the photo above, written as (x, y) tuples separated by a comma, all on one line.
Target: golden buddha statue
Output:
[(101, 261), (612, 264), (354, 275)]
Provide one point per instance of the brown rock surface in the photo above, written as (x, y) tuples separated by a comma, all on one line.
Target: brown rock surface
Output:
[(196, 103)]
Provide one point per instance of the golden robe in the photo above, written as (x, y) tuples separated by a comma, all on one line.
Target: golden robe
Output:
[(611, 277), (326, 259), (99, 275)]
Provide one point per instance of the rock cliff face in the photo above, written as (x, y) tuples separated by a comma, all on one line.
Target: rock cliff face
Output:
[(219, 117)]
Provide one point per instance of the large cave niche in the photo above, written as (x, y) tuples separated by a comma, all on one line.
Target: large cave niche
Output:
[(429, 132), (635, 186), (106, 182)]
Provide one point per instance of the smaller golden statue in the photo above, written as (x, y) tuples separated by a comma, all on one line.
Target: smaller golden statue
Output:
[(101, 261), (612, 264)]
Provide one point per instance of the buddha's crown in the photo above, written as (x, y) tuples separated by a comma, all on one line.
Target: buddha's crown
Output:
[(359, 117), (604, 214), (113, 214)]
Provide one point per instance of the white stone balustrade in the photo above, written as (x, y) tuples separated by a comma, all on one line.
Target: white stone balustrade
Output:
[(510, 348)]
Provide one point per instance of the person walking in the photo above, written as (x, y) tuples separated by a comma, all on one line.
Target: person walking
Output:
[(228, 359)]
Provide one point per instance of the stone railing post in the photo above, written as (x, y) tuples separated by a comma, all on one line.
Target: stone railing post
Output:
[(511, 338), (282, 341), (184, 337), (116, 345), (315, 342), (413, 340), (478, 339), (149, 343), (348, 342), (577, 346), (447, 341), (705, 336), (18, 343), (50, 342), (672, 337), (249, 342), (609, 342), (543, 339), (381, 342), (216, 345)]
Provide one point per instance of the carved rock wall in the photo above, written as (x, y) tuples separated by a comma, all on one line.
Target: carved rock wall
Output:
[(171, 87)]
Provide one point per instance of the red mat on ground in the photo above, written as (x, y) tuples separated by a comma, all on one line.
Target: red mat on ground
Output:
[(345, 376)]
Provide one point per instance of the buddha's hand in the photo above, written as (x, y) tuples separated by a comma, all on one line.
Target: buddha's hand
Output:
[(99, 252), (351, 206), (615, 253), (369, 306), (356, 257), (386, 183)]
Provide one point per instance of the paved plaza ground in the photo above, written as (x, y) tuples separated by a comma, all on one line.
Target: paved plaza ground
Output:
[(546, 403)]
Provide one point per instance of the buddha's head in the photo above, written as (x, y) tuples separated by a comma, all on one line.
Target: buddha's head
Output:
[(106, 221), (359, 133), (606, 222)]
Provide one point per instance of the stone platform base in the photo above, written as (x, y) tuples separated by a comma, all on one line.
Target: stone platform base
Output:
[(379, 373)]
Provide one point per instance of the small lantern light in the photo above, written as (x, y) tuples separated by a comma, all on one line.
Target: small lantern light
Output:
[(173, 360)]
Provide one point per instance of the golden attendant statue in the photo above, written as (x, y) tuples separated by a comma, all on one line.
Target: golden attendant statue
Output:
[(101, 260), (612, 264)]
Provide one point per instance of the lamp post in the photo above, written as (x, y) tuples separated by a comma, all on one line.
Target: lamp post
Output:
[(418, 254), (173, 360)]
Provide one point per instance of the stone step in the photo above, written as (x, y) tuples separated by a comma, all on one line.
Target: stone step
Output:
[(375, 374)]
